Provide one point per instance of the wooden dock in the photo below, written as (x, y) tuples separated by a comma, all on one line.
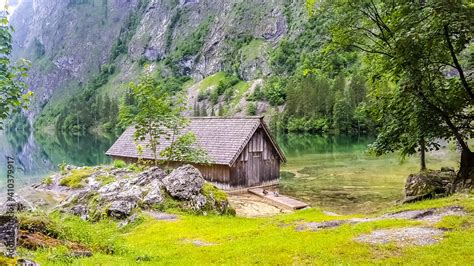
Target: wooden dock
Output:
[(279, 200)]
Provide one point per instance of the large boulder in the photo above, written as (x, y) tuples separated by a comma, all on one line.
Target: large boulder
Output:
[(148, 176), (429, 184), (184, 182)]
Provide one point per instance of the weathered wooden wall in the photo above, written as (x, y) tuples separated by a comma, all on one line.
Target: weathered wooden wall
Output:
[(258, 163)]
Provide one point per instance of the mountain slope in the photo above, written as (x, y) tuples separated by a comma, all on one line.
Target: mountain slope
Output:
[(71, 42)]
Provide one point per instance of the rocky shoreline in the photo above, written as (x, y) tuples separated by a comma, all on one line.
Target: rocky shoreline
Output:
[(105, 191)]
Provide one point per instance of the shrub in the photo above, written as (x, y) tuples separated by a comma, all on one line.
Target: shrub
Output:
[(257, 95), (228, 94), (202, 95), (135, 167), (214, 98), (209, 190), (251, 108), (119, 164), (275, 92), (62, 167)]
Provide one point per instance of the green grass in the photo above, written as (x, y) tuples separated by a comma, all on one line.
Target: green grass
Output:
[(253, 50), (239, 91), (119, 164), (211, 81), (76, 178), (269, 241)]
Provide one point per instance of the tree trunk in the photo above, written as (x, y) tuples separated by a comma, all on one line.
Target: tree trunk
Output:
[(422, 155), (465, 175)]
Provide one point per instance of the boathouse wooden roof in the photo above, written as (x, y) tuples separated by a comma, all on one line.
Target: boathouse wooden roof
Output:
[(223, 138)]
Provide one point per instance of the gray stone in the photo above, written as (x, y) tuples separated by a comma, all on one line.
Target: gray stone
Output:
[(153, 197), (162, 216), (184, 182), (198, 202), (133, 193), (17, 204), (419, 236), (314, 226), (131, 219), (146, 177), (26, 262), (120, 209)]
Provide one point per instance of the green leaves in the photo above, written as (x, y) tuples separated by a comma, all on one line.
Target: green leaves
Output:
[(156, 114), (12, 87), (417, 90)]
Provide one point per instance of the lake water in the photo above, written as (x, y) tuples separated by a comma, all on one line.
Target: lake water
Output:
[(337, 174), (332, 173), (36, 156)]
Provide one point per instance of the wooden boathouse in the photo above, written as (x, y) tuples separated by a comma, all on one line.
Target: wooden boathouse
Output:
[(242, 151)]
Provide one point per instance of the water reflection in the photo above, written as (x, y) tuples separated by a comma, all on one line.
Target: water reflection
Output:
[(37, 155)]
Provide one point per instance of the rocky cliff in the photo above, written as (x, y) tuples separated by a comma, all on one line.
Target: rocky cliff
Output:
[(69, 41)]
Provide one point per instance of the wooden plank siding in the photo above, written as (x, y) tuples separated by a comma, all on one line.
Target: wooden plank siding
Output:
[(258, 164)]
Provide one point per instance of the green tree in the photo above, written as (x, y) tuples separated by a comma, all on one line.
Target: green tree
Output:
[(185, 149), (416, 46), (157, 115), (12, 89), (342, 118)]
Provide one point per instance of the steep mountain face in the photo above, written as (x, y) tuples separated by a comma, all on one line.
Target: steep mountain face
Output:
[(70, 41), (66, 41)]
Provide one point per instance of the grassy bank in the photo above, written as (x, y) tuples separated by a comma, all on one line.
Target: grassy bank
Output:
[(192, 240)]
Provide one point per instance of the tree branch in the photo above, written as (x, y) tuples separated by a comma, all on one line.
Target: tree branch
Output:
[(456, 63), (446, 119)]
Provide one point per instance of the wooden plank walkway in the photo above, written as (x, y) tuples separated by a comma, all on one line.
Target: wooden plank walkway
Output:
[(279, 200)]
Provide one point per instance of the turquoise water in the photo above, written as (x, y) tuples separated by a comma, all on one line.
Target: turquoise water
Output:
[(337, 174)]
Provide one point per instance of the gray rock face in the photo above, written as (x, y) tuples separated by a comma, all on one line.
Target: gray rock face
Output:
[(146, 177), (184, 182), (161, 28), (428, 184)]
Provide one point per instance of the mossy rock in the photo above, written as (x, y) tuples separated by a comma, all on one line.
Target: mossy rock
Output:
[(76, 178)]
